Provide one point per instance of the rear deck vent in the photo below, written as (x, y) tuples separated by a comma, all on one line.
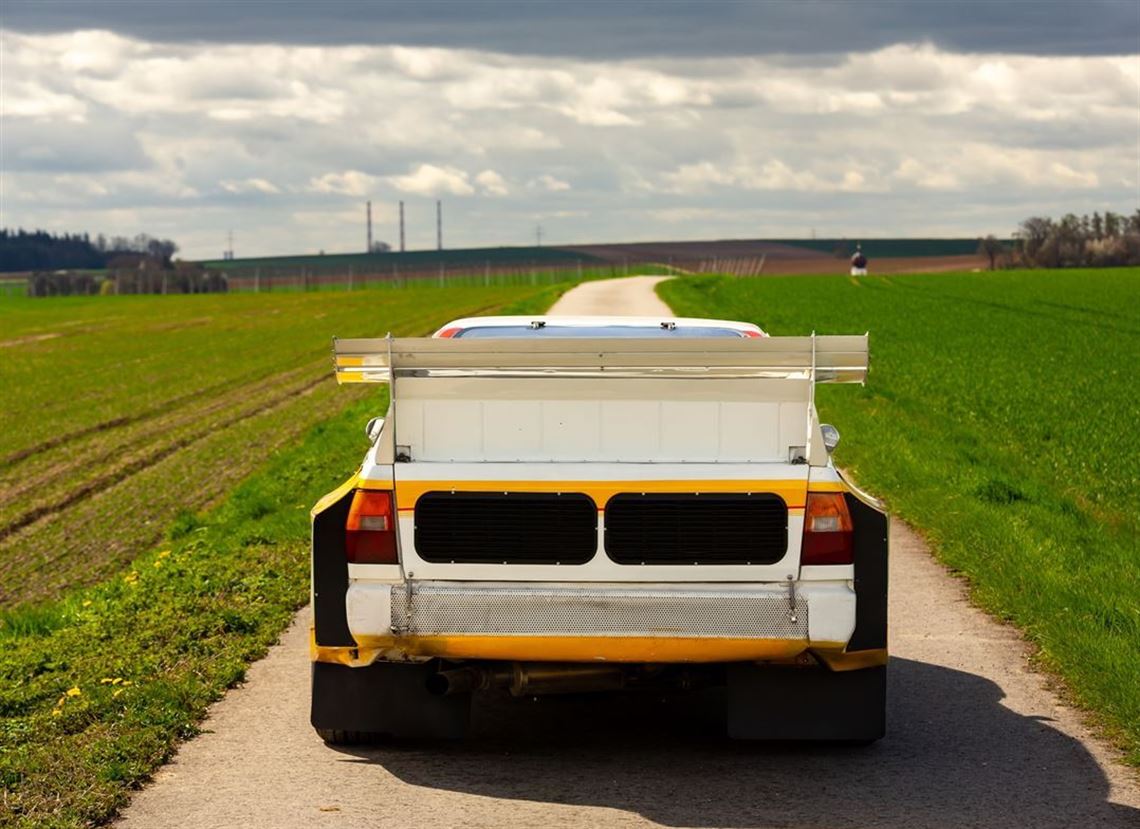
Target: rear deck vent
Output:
[(506, 527), (692, 528)]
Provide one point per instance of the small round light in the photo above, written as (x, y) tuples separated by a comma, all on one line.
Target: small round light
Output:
[(830, 436)]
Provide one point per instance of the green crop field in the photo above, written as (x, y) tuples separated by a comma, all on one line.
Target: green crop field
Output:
[(999, 418), (121, 412), (158, 460)]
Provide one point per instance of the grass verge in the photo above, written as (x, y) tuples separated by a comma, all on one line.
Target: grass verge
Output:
[(999, 418)]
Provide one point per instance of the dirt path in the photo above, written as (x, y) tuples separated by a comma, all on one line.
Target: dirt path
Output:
[(974, 739), (633, 295)]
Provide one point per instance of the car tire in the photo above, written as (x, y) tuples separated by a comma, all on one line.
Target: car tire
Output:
[(337, 737)]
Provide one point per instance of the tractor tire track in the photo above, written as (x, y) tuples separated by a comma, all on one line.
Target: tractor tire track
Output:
[(78, 545), (135, 466), (118, 447)]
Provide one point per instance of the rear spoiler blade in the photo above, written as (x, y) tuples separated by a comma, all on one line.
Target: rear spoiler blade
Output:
[(824, 359)]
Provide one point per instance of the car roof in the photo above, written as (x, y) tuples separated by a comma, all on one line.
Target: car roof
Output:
[(557, 320)]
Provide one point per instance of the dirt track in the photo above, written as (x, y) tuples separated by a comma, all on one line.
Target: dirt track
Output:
[(974, 739)]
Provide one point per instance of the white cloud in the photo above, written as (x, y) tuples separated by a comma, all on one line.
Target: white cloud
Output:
[(100, 125), (249, 185), (430, 180), (347, 183), (549, 183), (492, 183)]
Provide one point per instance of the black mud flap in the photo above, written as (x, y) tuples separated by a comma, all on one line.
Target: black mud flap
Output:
[(330, 575), (792, 703), (871, 559), (387, 699)]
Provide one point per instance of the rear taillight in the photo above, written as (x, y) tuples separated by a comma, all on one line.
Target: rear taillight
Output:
[(370, 534), (828, 532), (448, 333)]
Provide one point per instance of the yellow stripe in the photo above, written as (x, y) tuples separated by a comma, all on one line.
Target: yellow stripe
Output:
[(334, 496), (408, 492), (826, 486), (348, 361), (629, 649)]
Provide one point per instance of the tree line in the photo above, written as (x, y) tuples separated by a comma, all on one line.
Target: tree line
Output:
[(40, 250), (1096, 241)]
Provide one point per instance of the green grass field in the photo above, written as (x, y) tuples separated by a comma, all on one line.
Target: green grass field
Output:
[(158, 567), (999, 418)]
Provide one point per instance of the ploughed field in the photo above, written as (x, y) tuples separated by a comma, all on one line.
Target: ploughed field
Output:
[(999, 417), (122, 414)]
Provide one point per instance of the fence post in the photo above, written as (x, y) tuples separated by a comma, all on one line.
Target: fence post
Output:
[(350, 277), (486, 272)]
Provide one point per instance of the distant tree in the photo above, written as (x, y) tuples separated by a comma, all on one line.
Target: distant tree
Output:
[(1111, 224), (990, 247), (1032, 235), (380, 247), (162, 250), (39, 250), (1111, 239)]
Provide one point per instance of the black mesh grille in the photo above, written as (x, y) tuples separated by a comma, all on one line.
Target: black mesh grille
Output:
[(696, 528), (506, 527)]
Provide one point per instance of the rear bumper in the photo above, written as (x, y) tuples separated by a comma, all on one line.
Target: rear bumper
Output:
[(581, 622)]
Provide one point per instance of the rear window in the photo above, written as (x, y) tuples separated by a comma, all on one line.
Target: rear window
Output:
[(631, 331)]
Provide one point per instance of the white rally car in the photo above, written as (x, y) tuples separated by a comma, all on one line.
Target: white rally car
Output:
[(566, 504)]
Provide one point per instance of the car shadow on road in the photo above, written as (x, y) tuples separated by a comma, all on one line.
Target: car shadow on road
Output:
[(954, 756)]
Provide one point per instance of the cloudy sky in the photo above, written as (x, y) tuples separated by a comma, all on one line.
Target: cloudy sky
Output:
[(601, 121)]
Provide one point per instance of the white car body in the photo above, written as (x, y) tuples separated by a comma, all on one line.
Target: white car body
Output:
[(644, 422)]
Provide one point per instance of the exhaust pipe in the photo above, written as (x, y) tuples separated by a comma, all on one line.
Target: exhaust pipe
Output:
[(526, 679)]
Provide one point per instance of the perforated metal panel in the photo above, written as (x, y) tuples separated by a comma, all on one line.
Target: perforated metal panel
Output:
[(552, 610), (692, 528), (506, 527)]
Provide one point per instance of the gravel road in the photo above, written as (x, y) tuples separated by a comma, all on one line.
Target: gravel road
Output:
[(975, 739)]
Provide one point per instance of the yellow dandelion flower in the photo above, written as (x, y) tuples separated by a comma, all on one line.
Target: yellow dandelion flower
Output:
[(73, 692)]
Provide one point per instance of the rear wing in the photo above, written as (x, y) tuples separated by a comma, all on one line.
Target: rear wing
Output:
[(822, 359)]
